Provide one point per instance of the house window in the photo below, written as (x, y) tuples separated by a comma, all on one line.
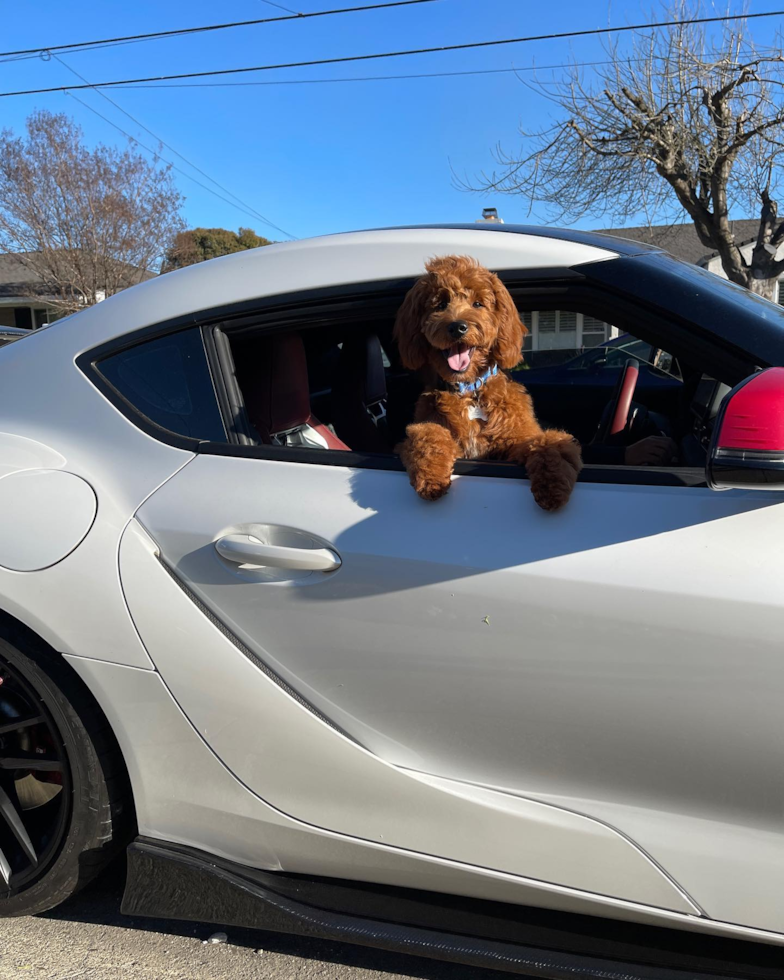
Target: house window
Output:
[(547, 322), (595, 331), (24, 317), (566, 330)]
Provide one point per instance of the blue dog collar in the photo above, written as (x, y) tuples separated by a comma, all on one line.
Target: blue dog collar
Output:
[(463, 387)]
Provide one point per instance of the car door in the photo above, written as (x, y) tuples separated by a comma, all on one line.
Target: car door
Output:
[(573, 697)]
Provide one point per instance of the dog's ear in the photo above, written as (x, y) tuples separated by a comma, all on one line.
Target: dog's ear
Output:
[(508, 348), (411, 343)]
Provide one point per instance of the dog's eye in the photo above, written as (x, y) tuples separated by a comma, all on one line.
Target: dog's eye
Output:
[(478, 305), (443, 304)]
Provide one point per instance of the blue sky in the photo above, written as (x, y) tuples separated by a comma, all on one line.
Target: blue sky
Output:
[(315, 158)]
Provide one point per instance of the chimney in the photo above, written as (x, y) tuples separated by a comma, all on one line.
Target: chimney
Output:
[(490, 215)]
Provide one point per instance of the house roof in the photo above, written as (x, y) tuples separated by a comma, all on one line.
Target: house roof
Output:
[(19, 278), (681, 239)]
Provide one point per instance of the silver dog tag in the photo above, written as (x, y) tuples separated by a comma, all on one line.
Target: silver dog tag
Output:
[(477, 412)]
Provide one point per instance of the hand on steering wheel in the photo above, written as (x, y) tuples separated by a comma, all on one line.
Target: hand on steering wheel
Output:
[(651, 451)]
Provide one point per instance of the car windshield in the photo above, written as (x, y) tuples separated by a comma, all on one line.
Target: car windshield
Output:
[(614, 353)]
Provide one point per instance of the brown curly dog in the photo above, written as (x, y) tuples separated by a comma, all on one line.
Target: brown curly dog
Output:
[(459, 325)]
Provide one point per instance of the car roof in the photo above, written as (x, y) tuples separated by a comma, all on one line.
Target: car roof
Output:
[(617, 243), (334, 260)]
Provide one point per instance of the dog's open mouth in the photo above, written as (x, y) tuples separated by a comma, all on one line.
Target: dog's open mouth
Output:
[(458, 357)]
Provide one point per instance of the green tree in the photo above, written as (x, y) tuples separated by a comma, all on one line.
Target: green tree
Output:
[(201, 244)]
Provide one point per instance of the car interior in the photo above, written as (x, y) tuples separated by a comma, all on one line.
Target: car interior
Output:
[(332, 389), (342, 387)]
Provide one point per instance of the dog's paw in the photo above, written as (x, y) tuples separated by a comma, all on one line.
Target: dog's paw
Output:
[(552, 478), (431, 489), (551, 496)]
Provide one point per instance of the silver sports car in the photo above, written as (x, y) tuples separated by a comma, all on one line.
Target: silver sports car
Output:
[(234, 641)]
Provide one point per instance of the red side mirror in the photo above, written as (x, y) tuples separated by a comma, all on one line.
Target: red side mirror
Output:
[(747, 448)]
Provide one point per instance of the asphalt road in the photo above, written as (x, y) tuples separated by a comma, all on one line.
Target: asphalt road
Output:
[(89, 939)]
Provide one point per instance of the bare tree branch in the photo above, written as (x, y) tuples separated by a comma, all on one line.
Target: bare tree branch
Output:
[(84, 223), (686, 123)]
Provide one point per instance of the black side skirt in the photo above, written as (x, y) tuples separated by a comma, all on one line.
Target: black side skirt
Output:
[(177, 882)]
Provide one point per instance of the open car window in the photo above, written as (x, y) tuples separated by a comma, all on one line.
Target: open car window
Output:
[(342, 388), (324, 382)]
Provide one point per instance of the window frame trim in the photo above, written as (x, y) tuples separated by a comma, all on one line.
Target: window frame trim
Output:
[(131, 411), (683, 476)]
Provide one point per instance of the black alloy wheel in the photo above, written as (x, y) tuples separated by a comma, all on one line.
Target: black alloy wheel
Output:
[(65, 807), (35, 784)]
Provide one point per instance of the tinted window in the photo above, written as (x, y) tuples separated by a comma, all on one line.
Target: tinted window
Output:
[(168, 380)]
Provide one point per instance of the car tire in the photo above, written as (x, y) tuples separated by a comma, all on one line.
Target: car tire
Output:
[(66, 809)]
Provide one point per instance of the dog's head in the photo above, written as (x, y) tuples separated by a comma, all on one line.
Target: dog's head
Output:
[(458, 318)]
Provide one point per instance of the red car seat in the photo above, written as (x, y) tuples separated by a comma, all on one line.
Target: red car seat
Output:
[(273, 376)]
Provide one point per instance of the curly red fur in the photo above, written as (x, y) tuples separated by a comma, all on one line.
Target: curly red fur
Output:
[(459, 288)]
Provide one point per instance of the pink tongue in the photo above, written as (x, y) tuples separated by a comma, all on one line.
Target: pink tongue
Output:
[(460, 359)]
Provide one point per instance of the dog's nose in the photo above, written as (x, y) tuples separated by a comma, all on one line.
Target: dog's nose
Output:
[(459, 328)]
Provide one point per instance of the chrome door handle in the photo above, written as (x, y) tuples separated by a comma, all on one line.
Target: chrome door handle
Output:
[(244, 549)]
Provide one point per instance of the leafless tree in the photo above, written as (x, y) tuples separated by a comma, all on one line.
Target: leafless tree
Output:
[(688, 119), (84, 223)]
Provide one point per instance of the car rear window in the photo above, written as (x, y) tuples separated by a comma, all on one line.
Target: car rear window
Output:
[(168, 381)]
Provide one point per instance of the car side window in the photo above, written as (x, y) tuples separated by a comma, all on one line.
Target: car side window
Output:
[(325, 383), (168, 381)]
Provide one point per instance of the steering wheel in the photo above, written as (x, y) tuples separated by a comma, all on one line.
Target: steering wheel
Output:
[(616, 416)]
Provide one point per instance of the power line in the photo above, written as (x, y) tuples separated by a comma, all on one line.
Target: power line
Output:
[(179, 170), (394, 54), (244, 206), (182, 31), (280, 6), (386, 78), (374, 78)]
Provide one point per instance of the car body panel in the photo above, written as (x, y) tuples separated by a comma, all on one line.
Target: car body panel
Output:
[(53, 512), (308, 770), (540, 662), (184, 794), (63, 424)]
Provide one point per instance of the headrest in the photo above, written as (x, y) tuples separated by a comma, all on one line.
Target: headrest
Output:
[(362, 361), (274, 378)]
